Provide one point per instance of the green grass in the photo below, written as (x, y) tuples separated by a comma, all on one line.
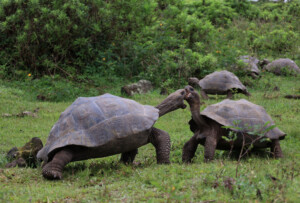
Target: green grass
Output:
[(106, 180)]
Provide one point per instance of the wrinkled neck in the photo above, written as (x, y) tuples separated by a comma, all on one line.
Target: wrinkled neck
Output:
[(199, 120), (167, 106), (164, 108)]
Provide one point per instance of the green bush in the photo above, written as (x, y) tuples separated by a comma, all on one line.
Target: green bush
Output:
[(220, 13), (244, 8), (49, 37), (46, 37), (163, 41), (278, 40)]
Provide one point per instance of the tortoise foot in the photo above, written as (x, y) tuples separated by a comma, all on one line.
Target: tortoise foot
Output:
[(51, 172)]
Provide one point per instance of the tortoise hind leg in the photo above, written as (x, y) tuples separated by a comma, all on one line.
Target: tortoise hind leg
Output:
[(53, 169), (189, 149), (161, 141), (276, 149), (128, 157)]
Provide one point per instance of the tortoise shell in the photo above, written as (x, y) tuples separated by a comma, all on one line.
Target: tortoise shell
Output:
[(244, 116), (220, 82), (283, 66), (99, 121), (252, 63)]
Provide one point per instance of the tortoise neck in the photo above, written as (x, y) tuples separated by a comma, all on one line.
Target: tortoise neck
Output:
[(166, 106), (197, 117)]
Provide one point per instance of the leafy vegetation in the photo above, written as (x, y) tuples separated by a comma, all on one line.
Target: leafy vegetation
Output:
[(153, 39)]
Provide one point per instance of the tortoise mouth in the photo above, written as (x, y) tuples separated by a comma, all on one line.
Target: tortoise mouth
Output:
[(188, 92), (188, 95)]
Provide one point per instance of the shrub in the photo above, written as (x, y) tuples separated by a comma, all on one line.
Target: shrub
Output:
[(154, 39), (277, 40), (49, 37)]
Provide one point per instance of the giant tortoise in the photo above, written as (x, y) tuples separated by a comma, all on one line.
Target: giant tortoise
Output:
[(252, 64), (219, 82), (94, 127), (250, 122), (283, 66)]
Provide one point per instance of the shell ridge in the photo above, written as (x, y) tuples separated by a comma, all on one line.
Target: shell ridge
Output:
[(251, 117)]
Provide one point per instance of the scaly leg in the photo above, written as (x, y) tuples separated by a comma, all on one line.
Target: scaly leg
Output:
[(128, 157), (161, 141), (189, 149), (53, 169), (276, 149), (210, 146)]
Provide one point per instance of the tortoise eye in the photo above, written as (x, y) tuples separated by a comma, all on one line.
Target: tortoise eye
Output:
[(182, 93), (192, 89)]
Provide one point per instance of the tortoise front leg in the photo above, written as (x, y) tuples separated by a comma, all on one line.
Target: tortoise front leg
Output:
[(203, 94), (210, 146), (128, 157), (276, 149), (161, 141), (53, 169), (189, 149)]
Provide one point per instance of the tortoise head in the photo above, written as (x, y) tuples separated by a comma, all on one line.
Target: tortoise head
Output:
[(193, 81), (191, 96), (173, 102)]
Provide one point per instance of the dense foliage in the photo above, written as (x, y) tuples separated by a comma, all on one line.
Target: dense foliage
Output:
[(163, 41)]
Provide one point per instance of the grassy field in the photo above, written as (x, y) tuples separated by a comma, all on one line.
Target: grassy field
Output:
[(258, 178)]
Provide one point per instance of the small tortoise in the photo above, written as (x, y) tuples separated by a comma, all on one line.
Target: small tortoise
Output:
[(250, 122), (252, 64), (101, 126), (219, 82), (283, 66)]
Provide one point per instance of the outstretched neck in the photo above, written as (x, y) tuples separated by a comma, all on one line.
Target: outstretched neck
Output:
[(173, 102), (199, 120), (164, 108)]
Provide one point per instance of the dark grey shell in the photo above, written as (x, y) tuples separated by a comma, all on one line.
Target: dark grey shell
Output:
[(251, 63), (283, 66), (244, 116), (219, 82), (97, 121)]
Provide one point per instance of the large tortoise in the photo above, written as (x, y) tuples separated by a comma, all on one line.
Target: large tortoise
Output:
[(219, 82), (283, 66), (249, 121), (94, 127)]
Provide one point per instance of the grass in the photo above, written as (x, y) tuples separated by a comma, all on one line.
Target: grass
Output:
[(260, 178)]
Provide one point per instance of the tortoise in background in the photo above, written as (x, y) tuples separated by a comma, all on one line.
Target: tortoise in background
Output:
[(252, 64), (249, 121), (219, 82), (101, 126), (283, 66)]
